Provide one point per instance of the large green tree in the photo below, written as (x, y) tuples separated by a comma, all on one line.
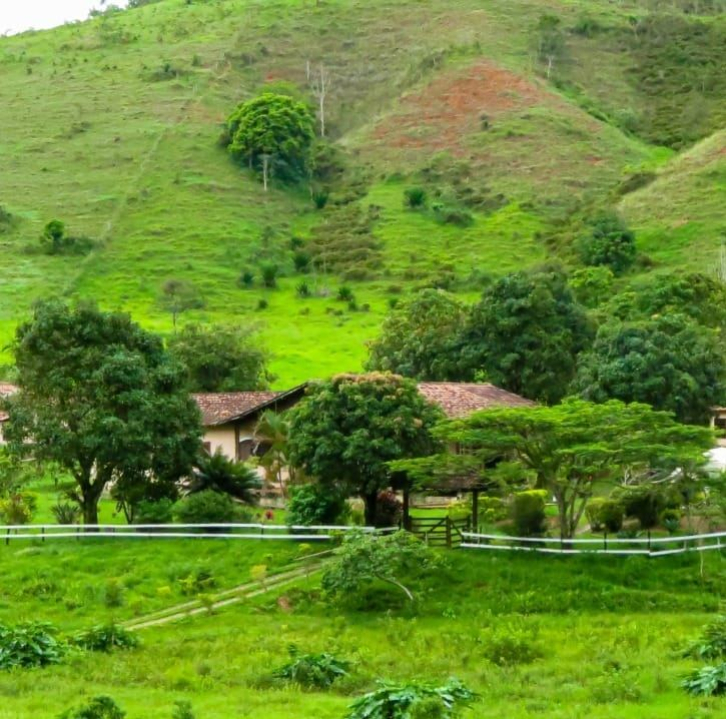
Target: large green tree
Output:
[(220, 359), (668, 362), (274, 134), (526, 333), (567, 449), (422, 338), (102, 398), (346, 431)]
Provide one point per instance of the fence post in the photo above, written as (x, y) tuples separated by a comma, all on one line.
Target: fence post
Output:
[(649, 540), (605, 541), (42, 533), (7, 537), (448, 532)]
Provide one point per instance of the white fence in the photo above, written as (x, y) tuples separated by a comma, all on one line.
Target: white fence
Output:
[(646, 546), (42, 532)]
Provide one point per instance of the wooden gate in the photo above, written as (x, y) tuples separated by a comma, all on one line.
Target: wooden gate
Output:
[(440, 531)]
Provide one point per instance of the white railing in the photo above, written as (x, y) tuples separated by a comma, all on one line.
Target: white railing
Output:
[(319, 532), (646, 546)]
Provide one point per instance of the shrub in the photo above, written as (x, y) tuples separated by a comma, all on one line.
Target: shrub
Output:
[(615, 686), (609, 243), (66, 512), (247, 279), (605, 515), (156, 512), (513, 643), (528, 512), (592, 285), (414, 197), (303, 290), (262, 304), (105, 637), (452, 215), (97, 708), (320, 199), (312, 504), (56, 241), (113, 594), (706, 681), (671, 519), (18, 508), (712, 643), (345, 294), (182, 710), (301, 260), (269, 272), (492, 510), (312, 671), (388, 510), (405, 700), (30, 644), (644, 503), (208, 507)]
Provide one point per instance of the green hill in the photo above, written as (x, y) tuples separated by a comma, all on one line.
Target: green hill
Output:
[(112, 126)]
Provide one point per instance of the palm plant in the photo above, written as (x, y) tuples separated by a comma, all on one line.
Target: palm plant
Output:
[(220, 474), (275, 429)]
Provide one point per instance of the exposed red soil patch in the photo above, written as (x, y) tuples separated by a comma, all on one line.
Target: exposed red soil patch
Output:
[(450, 107)]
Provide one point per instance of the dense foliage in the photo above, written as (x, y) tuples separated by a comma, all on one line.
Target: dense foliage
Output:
[(313, 671), (609, 243), (526, 333), (315, 504), (218, 473), (272, 133), (209, 507), (406, 700), (220, 359), (105, 638), (99, 396), (101, 707), (347, 429), (31, 644), (365, 558), (421, 338), (668, 362)]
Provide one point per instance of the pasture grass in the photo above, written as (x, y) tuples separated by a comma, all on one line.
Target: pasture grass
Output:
[(609, 632), (112, 126)]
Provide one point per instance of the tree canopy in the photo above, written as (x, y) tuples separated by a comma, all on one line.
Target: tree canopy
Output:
[(421, 339), (346, 431), (610, 243), (220, 359), (273, 131), (526, 333), (668, 362), (566, 449), (102, 398)]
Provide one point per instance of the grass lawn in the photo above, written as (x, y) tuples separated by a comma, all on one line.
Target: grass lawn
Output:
[(608, 632)]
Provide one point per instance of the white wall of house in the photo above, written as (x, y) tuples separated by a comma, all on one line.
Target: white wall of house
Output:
[(222, 437)]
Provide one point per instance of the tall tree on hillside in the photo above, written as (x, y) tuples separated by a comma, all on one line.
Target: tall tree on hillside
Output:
[(272, 131), (100, 397), (526, 333), (668, 362), (567, 449), (422, 338), (347, 430), (220, 359)]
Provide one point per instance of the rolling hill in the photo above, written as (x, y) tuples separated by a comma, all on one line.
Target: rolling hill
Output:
[(112, 127)]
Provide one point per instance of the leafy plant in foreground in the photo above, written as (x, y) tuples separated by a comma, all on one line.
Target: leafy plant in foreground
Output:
[(31, 644), (706, 681), (97, 708), (318, 671), (712, 643), (105, 637), (405, 700)]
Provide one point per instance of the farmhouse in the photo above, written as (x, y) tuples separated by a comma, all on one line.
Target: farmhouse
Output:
[(230, 419), (460, 399)]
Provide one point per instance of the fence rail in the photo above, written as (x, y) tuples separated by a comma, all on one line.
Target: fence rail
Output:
[(645, 546), (315, 533)]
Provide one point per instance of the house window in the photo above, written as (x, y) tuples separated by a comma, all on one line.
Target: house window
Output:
[(245, 449)]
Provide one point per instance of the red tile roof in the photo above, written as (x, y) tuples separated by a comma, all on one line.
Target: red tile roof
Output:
[(459, 399), (221, 407)]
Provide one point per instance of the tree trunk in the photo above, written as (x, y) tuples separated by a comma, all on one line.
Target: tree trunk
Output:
[(371, 502), (90, 510)]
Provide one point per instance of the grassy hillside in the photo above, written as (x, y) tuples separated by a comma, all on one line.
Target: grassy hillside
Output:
[(111, 126), (607, 633)]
